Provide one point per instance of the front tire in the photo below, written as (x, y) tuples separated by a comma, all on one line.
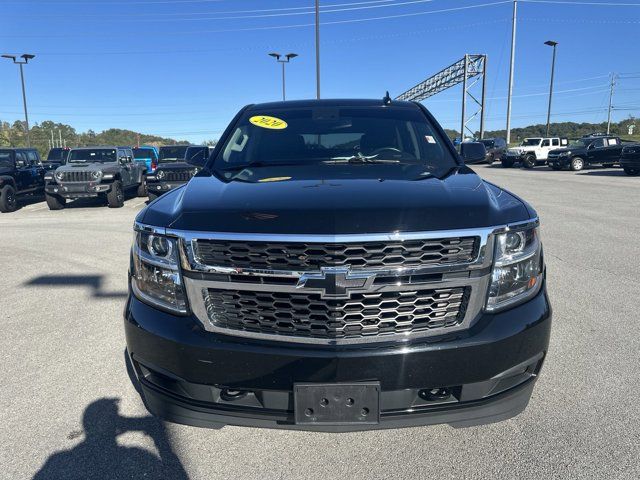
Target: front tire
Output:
[(634, 172), (529, 162), (577, 164), (8, 200), (55, 202), (142, 188), (115, 196)]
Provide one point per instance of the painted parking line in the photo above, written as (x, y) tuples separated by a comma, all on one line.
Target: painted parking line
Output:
[(136, 205)]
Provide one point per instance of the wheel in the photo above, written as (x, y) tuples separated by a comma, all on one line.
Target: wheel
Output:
[(529, 162), (507, 163), (115, 196), (54, 202), (142, 188), (634, 172), (577, 164), (490, 159), (152, 196), (8, 201)]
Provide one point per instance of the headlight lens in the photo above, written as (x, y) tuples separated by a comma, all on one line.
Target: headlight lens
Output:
[(156, 278), (59, 176), (96, 174), (159, 174), (517, 268)]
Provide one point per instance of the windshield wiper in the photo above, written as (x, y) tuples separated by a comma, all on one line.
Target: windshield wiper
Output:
[(359, 158)]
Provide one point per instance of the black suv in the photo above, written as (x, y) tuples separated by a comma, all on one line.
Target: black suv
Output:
[(176, 165), (630, 160), (496, 148), (588, 151), (21, 173), (106, 172), (335, 266)]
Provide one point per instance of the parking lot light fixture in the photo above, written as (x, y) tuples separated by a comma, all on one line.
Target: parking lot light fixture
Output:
[(282, 59), (553, 44), (25, 59)]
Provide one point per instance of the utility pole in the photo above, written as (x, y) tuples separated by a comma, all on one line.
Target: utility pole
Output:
[(25, 59), (513, 56), (484, 95), (612, 86), (60, 137), (318, 49), (553, 44), (53, 144)]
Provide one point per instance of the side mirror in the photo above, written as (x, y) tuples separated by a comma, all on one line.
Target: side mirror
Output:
[(472, 152), (198, 159)]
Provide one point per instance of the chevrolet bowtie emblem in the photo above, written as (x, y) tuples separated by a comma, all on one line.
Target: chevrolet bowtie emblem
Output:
[(338, 282)]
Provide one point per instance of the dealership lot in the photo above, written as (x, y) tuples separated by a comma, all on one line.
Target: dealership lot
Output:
[(67, 401)]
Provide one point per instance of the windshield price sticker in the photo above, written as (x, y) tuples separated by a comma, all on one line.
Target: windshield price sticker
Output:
[(265, 121)]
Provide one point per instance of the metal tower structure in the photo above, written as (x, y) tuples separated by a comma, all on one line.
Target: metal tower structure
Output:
[(469, 71)]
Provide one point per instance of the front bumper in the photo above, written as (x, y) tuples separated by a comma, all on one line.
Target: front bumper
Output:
[(561, 162), (77, 190), (489, 369), (630, 162), (162, 187)]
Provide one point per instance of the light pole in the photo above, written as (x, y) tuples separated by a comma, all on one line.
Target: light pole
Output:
[(553, 44), (286, 58), (25, 59)]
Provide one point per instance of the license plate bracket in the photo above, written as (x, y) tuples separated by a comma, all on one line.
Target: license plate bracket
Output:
[(337, 403)]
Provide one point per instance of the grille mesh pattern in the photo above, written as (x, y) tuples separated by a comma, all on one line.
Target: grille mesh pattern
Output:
[(177, 176), (312, 256), (77, 176), (308, 315)]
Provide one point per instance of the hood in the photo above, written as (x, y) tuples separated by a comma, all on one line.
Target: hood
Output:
[(89, 167), (558, 151), (173, 166), (336, 206)]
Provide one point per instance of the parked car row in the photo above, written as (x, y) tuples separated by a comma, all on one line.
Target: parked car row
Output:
[(107, 172)]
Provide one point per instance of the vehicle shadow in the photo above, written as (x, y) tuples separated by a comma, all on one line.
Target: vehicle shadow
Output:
[(605, 173), (100, 457), (93, 282)]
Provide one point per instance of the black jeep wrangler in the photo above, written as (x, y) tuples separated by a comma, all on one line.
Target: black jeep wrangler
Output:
[(588, 151), (106, 172), (176, 165), (336, 266), (21, 173)]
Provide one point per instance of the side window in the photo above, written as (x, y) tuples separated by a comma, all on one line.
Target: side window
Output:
[(598, 143), (612, 141), (555, 142), (21, 160), (33, 158), (129, 154), (545, 143)]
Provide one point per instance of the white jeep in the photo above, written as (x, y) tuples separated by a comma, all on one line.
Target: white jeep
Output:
[(532, 151)]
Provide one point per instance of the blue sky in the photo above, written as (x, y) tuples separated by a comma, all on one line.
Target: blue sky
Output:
[(182, 68)]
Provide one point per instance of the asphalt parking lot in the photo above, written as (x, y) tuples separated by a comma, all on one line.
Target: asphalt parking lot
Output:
[(67, 406)]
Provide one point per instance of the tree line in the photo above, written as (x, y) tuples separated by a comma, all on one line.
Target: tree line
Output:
[(14, 135)]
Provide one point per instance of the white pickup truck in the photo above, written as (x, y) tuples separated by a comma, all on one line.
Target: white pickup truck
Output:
[(532, 151)]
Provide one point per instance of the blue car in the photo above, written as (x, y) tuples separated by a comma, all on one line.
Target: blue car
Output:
[(148, 156)]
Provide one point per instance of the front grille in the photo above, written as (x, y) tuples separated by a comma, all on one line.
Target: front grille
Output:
[(177, 176), (312, 256), (77, 176), (310, 316)]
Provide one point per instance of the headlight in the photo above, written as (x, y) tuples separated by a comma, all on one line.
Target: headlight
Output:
[(59, 176), (159, 174), (564, 154), (517, 268), (96, 174), (155, 278)]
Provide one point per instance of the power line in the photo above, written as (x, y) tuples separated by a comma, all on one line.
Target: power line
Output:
[(279, 27), (602, 4)]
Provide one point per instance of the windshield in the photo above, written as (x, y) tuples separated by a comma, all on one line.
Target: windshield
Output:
[(143, 153), (6, 159), (172, 154), (581, 142), (57, 154), (90, 155), (364, 138), (531, 142)]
